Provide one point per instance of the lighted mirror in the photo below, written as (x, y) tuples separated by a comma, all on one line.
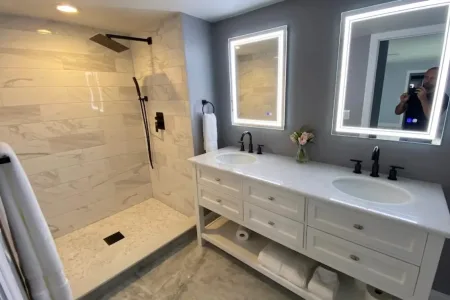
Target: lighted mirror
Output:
[(257, 78), (392, 80)]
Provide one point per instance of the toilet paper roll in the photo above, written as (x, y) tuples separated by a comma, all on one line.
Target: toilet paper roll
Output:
[(376, 294), (243, 234)]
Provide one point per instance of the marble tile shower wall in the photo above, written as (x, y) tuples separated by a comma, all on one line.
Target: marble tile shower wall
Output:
[(161, 70), (68, 107)]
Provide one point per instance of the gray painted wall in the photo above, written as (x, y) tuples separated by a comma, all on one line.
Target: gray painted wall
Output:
[(313, 43), (199, 68)]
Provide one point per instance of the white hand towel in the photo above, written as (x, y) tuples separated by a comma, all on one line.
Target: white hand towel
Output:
[(210, 132), (34, 243), (324, 283), (297, 268), (270, 257)]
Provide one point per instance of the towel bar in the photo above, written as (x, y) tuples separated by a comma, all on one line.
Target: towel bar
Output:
[(204, 102)]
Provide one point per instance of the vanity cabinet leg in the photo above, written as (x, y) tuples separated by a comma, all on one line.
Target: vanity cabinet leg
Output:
[(199, 211), (200, 225), (430, 261)]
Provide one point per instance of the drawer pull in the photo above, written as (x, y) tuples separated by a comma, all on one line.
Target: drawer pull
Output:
[(271, 223), (354, 257), (219, 200), (271, 198), (359, 227), (217, 179)]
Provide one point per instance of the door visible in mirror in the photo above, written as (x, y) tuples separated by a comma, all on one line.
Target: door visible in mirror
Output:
[(257, 77), (392, 82)]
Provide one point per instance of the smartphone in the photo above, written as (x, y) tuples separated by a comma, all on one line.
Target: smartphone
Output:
[(412, 90)]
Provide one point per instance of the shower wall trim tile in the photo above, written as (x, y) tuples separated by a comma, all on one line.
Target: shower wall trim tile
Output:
[(68, 108)]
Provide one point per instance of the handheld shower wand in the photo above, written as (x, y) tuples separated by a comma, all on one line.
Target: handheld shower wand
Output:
[(142, 101)]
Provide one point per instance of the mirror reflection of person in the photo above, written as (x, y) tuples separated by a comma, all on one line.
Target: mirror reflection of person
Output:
[(416, 106)]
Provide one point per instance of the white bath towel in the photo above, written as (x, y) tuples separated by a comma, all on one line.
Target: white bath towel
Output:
[(210, 132), (270, 257), (286, 263), (324, 283), (297, 268), (37, 252), (10, 280)]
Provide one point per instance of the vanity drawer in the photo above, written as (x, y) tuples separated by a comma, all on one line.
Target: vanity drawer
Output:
[(389, 237), (278, 228), (384, 272), (222, 181), (276, 200), (224, 205)]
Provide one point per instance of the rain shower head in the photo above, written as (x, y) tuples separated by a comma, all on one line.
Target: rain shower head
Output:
[(108, 42)]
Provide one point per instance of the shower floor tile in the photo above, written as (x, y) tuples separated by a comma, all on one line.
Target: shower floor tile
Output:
[(89, 261)]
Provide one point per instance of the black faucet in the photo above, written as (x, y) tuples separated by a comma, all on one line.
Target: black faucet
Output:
[(250, 146), (376, 165)]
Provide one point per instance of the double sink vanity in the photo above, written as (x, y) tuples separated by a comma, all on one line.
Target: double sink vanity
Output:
[(388, 234)]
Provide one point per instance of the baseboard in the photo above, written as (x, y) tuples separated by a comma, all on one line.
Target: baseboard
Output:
[(435, 295)]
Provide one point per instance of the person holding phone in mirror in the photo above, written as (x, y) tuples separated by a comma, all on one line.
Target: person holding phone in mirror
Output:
[(416, 104)]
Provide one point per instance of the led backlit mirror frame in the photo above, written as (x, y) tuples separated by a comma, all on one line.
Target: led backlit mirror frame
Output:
[(279, 33), (383, 10)]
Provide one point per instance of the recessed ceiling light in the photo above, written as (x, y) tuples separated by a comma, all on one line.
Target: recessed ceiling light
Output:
[(66, 8), (44, 31)]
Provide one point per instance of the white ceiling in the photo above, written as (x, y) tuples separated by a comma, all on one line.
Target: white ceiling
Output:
[(130, 15)]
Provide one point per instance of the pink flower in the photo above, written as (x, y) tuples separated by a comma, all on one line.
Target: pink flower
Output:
[(303, 138)]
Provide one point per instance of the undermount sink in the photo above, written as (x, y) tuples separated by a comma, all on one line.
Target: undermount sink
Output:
[(371, 190), (236, 158)]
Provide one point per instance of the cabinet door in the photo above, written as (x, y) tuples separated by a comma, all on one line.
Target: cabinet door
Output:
[(275, 199), (389, 237), (221, 181), (384, 272), (278, 228), (220, 203)]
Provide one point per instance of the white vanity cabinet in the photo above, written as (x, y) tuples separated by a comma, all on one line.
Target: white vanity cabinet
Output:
[(387, 253)]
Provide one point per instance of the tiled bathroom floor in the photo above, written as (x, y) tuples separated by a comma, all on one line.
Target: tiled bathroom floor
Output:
[(89, 261), (195, 273)]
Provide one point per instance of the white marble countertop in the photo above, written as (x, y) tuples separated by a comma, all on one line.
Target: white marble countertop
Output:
[(428, 208)]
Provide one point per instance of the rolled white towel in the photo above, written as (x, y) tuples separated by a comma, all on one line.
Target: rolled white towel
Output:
[(270, 257), (297, 268), (210, 132), (324, 283)]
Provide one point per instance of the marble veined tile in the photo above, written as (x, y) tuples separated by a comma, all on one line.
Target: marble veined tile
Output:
[(55, 195), (19, 77), (50, 112), (53, 129), (52, 162), (84, 169), (10, 115), (27, 149), (24, 58), (33, 95), (87, 62), (45, 179), (77, 141)]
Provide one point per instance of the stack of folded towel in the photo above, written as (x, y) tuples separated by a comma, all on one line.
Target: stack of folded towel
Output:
[(290, 265), (324, 283)]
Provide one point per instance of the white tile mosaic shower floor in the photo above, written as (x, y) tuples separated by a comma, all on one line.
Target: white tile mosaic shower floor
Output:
[(89, 261)]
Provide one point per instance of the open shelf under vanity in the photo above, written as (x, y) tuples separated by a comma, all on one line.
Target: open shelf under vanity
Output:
[(221, 233)]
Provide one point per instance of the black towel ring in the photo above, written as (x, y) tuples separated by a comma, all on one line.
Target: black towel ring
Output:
[(204, 102)]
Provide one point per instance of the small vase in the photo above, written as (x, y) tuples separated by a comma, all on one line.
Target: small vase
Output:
[(302, 156)]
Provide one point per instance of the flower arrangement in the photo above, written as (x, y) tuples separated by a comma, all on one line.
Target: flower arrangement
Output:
[(301, 138)]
